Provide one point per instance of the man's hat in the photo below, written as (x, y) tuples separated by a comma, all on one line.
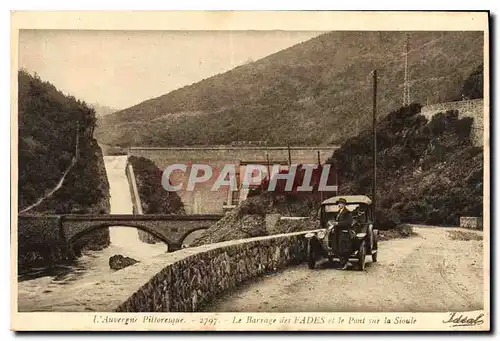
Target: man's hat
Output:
[(342, 200)]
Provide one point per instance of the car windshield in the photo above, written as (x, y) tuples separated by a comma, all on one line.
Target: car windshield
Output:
[(358, 212), (331, 216), (336, 208)]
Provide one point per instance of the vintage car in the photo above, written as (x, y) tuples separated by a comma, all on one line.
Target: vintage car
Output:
[(351, 242)]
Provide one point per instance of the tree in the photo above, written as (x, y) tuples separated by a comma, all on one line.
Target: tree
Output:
[(473, 85)]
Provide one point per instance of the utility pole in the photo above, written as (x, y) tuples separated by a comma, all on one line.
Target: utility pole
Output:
[(319, 167), (289, 156), (374, 183), (268, 167), (337, 192), (406, 86)]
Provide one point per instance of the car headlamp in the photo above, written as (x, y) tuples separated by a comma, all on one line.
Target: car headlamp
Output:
[(321, 234)]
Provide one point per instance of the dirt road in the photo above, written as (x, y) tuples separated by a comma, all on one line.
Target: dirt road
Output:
[(428, 272)]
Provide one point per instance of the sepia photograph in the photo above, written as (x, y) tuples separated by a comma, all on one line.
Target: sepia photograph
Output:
[(311, 177)]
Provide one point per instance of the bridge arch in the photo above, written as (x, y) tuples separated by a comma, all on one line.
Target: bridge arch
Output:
[(185, 235), (95, 227)]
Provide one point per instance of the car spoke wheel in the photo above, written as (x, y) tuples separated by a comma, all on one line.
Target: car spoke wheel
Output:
[(311, 256), (362, 257)]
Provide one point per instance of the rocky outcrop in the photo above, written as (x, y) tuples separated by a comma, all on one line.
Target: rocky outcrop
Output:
[(118, 262), (258, 216)]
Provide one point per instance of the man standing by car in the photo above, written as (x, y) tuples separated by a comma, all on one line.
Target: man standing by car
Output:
[(344, 220)]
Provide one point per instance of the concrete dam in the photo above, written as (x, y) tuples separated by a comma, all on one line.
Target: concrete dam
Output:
[(204, 201)]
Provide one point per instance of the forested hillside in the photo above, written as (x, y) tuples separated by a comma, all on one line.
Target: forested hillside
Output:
[(49, 123), (315, 92), (427, 171)]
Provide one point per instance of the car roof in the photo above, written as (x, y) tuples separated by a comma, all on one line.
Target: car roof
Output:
[(330, 208), (351, 199)]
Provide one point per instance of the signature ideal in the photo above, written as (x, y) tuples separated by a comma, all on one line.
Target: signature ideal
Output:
[(464, 320)]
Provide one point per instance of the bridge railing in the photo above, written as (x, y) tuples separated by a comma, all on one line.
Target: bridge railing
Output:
[(140, 217)]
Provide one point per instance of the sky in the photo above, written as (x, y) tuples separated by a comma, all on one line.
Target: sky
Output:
[(122, 68)]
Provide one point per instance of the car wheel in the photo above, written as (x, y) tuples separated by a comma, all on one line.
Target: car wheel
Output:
[(311, 255), (362, 257), (375, 248)]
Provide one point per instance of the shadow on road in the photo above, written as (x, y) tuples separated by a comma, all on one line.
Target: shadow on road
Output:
[(336, 265)]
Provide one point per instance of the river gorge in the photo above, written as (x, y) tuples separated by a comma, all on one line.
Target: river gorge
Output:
[(39, 289)]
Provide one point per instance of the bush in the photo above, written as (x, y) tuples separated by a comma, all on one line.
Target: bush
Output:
[(254, 205), (387, 219), (473, 85), (400, 231), (427, 172)]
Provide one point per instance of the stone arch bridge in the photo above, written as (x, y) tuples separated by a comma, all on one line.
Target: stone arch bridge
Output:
[(171, 229)]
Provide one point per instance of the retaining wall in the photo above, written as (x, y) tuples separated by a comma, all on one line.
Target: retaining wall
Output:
[(472, 108), (38, 229), (41, 241), (187, 280)]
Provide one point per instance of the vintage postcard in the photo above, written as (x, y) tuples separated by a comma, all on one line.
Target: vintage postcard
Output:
[(250, 171)]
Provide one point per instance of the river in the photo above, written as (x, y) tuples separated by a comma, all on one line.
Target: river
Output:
[(57, 289)]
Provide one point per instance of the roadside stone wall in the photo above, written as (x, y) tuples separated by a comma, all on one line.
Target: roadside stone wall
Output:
[(189, 283), (474, 223), (189, 279)]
